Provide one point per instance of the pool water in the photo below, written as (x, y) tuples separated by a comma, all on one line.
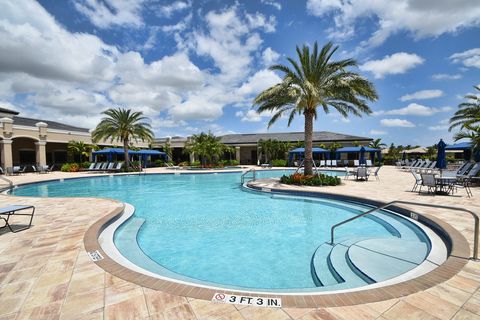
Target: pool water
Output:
[(206, 227)]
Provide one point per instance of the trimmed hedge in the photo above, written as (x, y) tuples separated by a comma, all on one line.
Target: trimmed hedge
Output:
[(313, 180)]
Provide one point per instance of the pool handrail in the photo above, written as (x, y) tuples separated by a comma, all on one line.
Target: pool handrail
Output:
[(252, 170), (474, 215)]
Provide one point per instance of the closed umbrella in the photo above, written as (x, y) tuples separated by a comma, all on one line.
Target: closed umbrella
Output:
[(362, 155), (441, 158)]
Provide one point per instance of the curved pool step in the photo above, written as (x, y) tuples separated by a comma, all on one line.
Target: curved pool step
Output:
[(322, 274), (404, 231), (382, 259), (340, 263)]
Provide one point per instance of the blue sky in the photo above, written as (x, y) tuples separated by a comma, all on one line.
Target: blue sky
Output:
[(195, 66)]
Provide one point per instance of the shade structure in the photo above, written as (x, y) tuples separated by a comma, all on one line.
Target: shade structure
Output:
[(358, 150), (441, 158), (466, 147), (143, 154), (301, 152)]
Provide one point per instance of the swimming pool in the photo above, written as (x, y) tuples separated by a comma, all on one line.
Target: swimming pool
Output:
[(206, 229)]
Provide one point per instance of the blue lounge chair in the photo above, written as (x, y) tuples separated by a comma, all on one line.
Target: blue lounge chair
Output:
[(12, 210)]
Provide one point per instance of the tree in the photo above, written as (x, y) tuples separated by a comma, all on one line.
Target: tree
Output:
[(206, 146), (377, 144), (123, 125), (472, 133), (316, 81), (273, 149), (468, 113), (80, 148), (167, 148)]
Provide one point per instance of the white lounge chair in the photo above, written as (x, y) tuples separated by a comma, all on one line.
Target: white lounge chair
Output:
[(334, 163), (329, 163), (322, 163), (356, 163), (369, 163)]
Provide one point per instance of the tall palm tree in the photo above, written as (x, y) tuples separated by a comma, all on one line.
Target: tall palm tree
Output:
[(377, 144), (123, 125), (314, 81), (207, 146), (468, 113)]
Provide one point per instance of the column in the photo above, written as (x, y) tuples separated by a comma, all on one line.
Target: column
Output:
[(41, 153), (192, 157), (237, 154), (7, 158)]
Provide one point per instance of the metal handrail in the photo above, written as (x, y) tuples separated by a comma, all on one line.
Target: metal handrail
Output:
[(10, 183), (474, 215), (246, 172)]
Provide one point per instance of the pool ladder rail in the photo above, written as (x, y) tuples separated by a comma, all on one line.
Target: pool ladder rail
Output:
[(244, 175), (474, 215)]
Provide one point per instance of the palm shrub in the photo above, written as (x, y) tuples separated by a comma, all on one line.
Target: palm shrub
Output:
[(123, 125), (207, 146), (315, 81)]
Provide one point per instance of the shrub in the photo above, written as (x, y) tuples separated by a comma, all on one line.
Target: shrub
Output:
[(313, 180), (65, 167), (233, 163), (85, 164), (196, 164), (70, 167), (279, 163), (158, 163), (183, 164)]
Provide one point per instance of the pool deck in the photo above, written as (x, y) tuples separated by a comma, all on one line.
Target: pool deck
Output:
[(45, 272)]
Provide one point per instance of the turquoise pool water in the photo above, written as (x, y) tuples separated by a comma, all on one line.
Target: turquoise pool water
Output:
[(206, 227)]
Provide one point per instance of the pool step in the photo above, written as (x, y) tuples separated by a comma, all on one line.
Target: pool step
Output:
[(360, 261)]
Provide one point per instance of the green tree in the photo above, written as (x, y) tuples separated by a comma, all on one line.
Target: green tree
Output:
[(468, 113), (123, 125), (167, 148), (81, 149), (472, 133), (206, 146), (273, 149), (377, 144), (316, 81)]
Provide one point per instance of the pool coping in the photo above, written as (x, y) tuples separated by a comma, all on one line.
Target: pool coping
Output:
[(458, 257)]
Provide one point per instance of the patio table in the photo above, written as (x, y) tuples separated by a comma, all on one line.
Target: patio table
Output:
[(444, 185)]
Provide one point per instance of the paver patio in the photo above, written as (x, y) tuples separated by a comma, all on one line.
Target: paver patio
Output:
[(45, 272)]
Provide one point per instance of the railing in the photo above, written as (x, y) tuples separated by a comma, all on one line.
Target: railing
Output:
[(252, 170), (10, 183), (474, 215)]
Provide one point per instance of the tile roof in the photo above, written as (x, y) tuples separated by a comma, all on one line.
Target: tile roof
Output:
[(51, 124), (319, 136)]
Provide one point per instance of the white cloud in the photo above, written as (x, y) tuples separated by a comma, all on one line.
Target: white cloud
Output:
[(396, 123), (169, 10), (377, 132), (414, 109), (422, 94), (249, 116), (107, 13), (260, 81), (445, 76), (269, 56), (259, 20), (397, 63), (438, 128), (421, 18), (469, 58), (272, 3)]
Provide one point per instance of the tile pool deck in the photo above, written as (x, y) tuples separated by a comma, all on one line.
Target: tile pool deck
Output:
[(45, 272)]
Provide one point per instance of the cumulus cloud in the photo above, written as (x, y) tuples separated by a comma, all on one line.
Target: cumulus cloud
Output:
[(277, 5), (249, 116), (414, 109), (269, 56), (260, 81), (396, 123), (397, 63), (446, 76), (169, 10), (107, 13), (421, 18), (422, 94), (377, 132), (469, 58)]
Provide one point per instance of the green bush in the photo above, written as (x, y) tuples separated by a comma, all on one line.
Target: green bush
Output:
[(195, 164), (233, 163), (313, 180), (65, 167), (70, 167), (183, 164), (85, 164), (279, 163), (158, 163)]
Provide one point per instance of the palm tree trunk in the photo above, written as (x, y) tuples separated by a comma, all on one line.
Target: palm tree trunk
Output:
[(125, 152), (308, 162)]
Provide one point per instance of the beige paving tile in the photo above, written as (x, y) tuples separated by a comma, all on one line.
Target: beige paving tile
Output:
[(84, 303), (183, 311), (204, 309), (44, 312), (41, 296), (10, 305), (450, 293), (466, 315), (359, 312), (320, 314), (433, 305), (133, 308), (406, 311), (119, 293), (158, 301), (296, 313), (254, 313), (473, 305)]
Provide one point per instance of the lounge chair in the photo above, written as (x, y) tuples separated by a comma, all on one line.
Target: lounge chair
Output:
[(117, 167), (369, 163), (334, 163), (356, 163), (110, 166), (362, 173), (12, 210), (329, 163), (322, 163), (464, 180), (15, 170), (91, 166)]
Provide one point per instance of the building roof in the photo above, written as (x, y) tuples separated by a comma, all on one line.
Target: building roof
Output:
[(4, 110), (29, 122), (320, 136)]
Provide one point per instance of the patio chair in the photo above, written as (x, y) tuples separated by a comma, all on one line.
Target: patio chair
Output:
[(418, 180), (110, 166), (356, 163), (334, 163), (362, 173), (91, 166), (349, 173), (117, 167), (12, 210), (369, 163), (15, 170), (375, 173), (322, 163), (428, 180), (329, 163), (464, 181)]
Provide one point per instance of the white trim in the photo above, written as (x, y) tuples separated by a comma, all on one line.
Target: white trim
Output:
[(17, 126), (80, 133)]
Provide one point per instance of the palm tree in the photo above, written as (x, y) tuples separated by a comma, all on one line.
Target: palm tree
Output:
[(123, 125), (468, 113), (80, 148), (377, 144), (470, 132), (206, 146), (316, 81)]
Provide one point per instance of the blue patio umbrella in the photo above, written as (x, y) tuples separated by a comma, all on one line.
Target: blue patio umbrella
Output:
[(404, 156), (362, 155), (441, 158)]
